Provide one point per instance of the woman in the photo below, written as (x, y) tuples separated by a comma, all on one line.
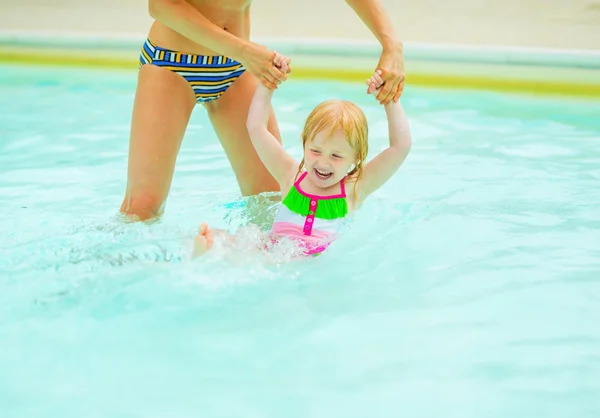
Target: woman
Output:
[(198, 51)]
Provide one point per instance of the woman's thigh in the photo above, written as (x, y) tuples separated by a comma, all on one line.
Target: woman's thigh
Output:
[(228, 116), (163, 104)]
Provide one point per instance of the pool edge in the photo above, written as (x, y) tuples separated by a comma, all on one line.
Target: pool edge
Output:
[(512, 69)]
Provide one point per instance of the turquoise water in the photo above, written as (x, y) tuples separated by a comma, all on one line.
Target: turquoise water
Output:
[(468, 286)]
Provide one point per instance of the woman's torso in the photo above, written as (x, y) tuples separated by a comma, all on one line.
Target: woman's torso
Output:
[(230, 15)]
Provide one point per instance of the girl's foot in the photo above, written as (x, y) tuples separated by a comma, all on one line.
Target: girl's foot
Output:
[(203, 241)]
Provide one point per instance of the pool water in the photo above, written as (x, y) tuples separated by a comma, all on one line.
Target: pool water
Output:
[(468, 286)]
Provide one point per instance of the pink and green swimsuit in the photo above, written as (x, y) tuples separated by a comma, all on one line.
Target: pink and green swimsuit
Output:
[(312, 220)]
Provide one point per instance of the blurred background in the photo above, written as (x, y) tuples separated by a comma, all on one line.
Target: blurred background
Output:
[(556, 24)]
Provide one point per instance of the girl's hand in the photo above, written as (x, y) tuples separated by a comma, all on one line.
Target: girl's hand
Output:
[(282, 62), (375, 83)]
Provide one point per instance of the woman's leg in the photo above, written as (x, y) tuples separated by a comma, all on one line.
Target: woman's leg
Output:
[(228, 115), (163, 104)]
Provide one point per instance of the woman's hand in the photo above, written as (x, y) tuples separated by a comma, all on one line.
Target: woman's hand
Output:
[(260, 61), (391, 67)]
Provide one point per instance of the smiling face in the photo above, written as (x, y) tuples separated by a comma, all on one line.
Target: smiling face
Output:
[(334, 138), (328, 158)]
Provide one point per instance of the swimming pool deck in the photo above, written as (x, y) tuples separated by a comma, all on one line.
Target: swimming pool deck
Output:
[(533, 45)]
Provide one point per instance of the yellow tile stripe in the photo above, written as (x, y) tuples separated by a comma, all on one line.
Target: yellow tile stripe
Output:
[(567, 88)]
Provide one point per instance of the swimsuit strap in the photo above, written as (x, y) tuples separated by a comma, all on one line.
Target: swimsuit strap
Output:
[(342, 187), (322, 207), (297, 183)]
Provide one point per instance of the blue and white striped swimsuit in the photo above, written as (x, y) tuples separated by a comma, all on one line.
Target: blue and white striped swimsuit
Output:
[(208, 75)]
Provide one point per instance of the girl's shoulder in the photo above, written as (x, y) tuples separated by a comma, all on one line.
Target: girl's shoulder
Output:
[(352, 200), (287, 184)]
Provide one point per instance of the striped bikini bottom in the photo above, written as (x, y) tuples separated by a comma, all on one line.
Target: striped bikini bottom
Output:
[(208, 75)]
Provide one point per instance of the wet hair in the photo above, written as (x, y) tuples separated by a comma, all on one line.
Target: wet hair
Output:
[(339, 115)]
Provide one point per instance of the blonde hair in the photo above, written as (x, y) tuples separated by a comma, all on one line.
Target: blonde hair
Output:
[(339, 115)]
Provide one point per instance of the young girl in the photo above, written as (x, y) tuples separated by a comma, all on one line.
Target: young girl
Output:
[(333, 178)]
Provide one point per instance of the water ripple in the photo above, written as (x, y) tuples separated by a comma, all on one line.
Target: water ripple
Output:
[(468, 286)]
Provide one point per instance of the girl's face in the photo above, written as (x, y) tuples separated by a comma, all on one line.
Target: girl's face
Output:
[(328, 158)]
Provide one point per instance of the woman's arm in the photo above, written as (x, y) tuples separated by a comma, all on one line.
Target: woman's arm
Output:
[(183, 18), (374, 16), (391, 62)]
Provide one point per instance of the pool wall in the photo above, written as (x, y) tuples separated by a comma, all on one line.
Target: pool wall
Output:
[(499, 45)]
